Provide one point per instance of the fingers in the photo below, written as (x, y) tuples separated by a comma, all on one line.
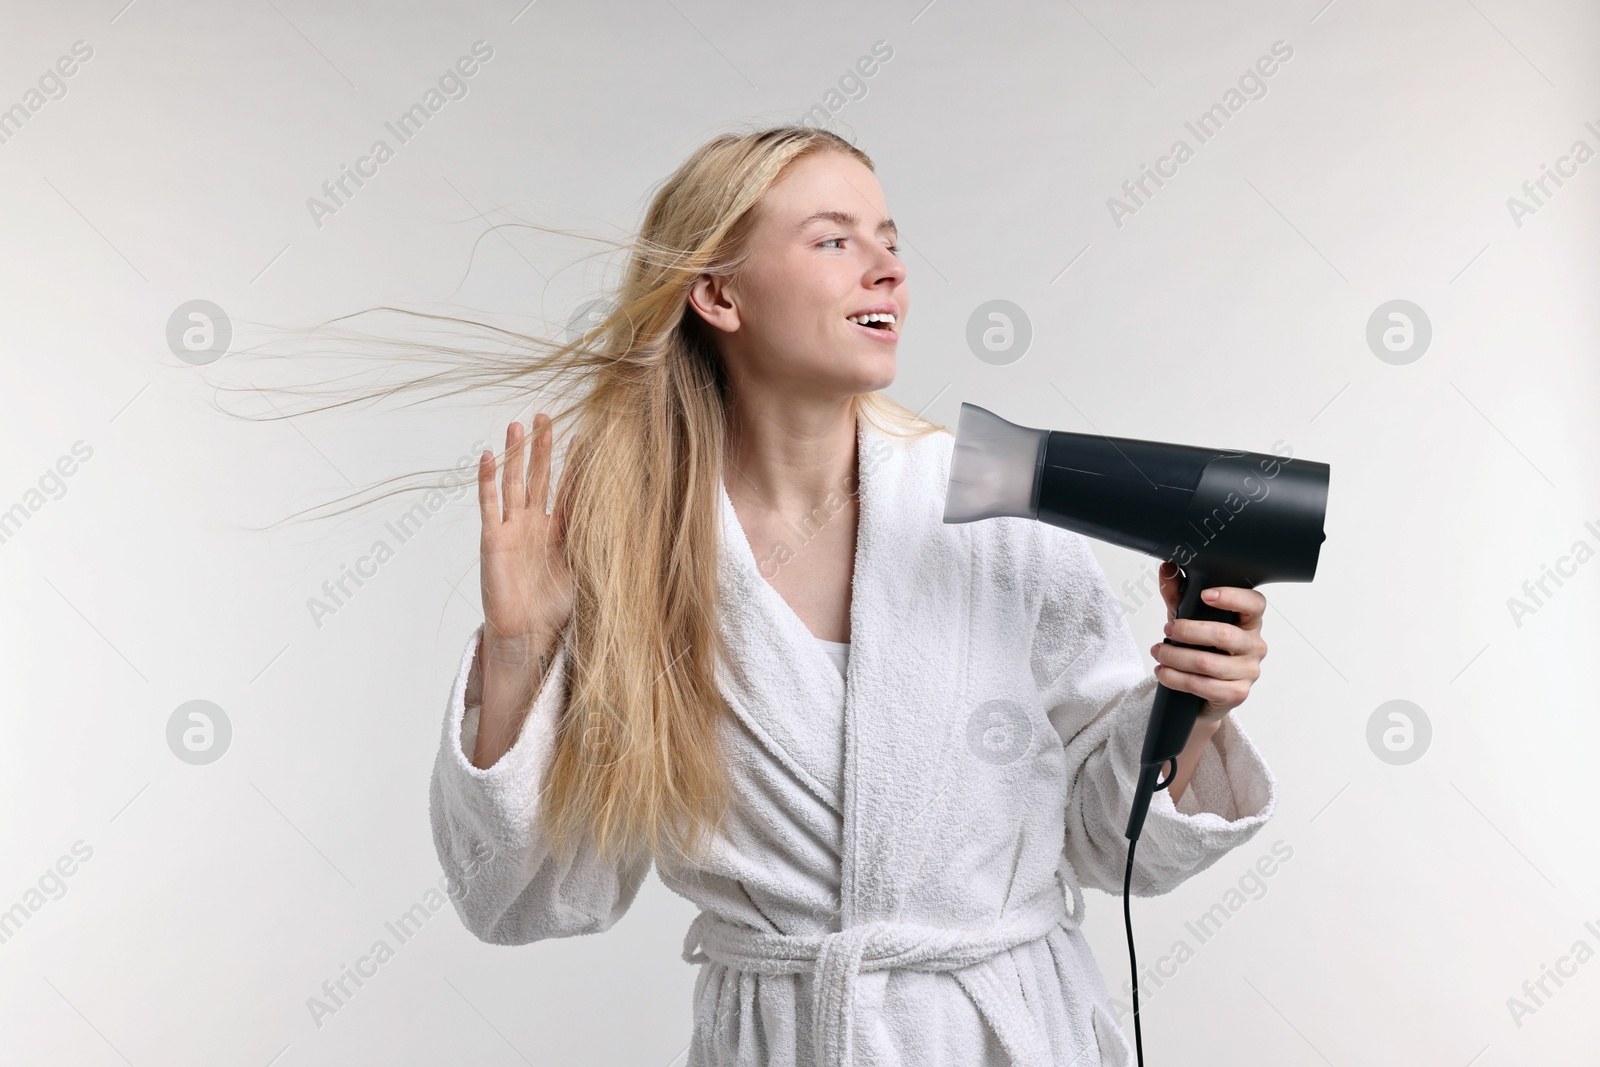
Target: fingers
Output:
[(488, 501), (1249, 603), (1209, 664), (1226, 694), (514, 486), (539, 479), (515, 492), (1224, 636), (1224, 677)]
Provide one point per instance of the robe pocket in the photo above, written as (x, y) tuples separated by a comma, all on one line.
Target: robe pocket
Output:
[(1114, 1048)]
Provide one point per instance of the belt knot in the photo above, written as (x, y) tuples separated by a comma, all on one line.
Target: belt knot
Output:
[(836, 960)]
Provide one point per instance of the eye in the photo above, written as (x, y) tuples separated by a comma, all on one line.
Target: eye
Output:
[(893, 249)]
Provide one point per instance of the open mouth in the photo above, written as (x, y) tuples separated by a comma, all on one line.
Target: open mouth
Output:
[(881, 325)]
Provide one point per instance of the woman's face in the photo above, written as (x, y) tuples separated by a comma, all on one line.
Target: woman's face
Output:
[(821, 251)]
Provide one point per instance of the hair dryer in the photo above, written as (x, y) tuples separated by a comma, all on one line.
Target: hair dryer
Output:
[(1224, 517)]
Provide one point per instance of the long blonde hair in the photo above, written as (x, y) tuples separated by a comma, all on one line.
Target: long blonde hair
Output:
[(636, 766)]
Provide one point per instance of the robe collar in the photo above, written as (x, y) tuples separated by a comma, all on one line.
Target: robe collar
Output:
[(876, 745)]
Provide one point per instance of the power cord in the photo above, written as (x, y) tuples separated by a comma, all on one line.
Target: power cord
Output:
[(1127, 919)]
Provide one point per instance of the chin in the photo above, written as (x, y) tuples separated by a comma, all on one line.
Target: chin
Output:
[(864, 374), (872, 383)]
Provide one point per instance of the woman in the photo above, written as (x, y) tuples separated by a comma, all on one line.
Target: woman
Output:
[(882, 849)]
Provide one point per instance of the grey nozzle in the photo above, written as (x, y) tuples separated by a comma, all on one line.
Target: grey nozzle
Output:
[(994, 468)]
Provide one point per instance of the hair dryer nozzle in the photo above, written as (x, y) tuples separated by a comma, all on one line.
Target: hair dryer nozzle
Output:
[(994, 468)]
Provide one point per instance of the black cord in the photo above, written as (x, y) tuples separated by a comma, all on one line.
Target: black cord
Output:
[(1133, 963), (1127, 920)]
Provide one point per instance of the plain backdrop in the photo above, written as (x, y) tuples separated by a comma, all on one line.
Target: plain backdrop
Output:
[(1393, 155)]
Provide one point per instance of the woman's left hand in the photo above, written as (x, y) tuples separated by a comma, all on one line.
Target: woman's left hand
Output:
[(1224, 679)]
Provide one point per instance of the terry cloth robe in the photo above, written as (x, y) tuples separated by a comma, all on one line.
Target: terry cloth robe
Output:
[(892, 886)]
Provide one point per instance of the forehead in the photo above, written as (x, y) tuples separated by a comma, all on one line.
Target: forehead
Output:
[(826, 188)]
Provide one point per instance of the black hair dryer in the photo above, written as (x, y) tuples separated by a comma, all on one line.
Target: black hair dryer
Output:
[(1224, 517)]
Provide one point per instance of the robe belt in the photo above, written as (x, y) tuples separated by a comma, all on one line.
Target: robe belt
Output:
[(836, 959)]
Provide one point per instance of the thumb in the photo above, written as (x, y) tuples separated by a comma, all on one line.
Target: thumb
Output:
[(1169, 588)]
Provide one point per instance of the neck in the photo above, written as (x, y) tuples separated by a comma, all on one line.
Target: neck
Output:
[(791, 459)]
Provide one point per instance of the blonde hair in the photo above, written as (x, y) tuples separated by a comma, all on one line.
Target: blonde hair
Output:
[(636, 766)]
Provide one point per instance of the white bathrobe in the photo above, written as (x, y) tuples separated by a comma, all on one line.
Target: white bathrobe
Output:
[(893, 885)]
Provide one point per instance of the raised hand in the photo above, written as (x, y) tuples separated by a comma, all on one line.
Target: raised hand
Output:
[(525, 581), (526, 586)]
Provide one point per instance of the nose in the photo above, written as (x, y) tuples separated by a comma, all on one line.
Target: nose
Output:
[(890, 267)]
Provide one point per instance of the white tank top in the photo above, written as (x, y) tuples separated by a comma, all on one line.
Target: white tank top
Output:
[(838, 651)]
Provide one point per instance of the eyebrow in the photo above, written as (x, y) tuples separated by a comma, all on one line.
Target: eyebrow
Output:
[(845, 218)]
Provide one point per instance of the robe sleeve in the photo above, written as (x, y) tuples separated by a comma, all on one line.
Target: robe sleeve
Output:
[(1098, 690), (506, 885)]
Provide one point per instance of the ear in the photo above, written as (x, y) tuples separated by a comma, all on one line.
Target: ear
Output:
[(711, 297)]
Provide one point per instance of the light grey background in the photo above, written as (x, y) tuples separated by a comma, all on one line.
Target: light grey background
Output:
[(1230, 309)]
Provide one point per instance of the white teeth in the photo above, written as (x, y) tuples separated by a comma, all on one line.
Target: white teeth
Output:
[(877, 316)]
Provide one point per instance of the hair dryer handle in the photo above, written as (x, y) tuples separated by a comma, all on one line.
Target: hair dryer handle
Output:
[(1174, 711)]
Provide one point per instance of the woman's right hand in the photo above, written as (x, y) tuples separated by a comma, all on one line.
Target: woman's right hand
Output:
[(526, 583)]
